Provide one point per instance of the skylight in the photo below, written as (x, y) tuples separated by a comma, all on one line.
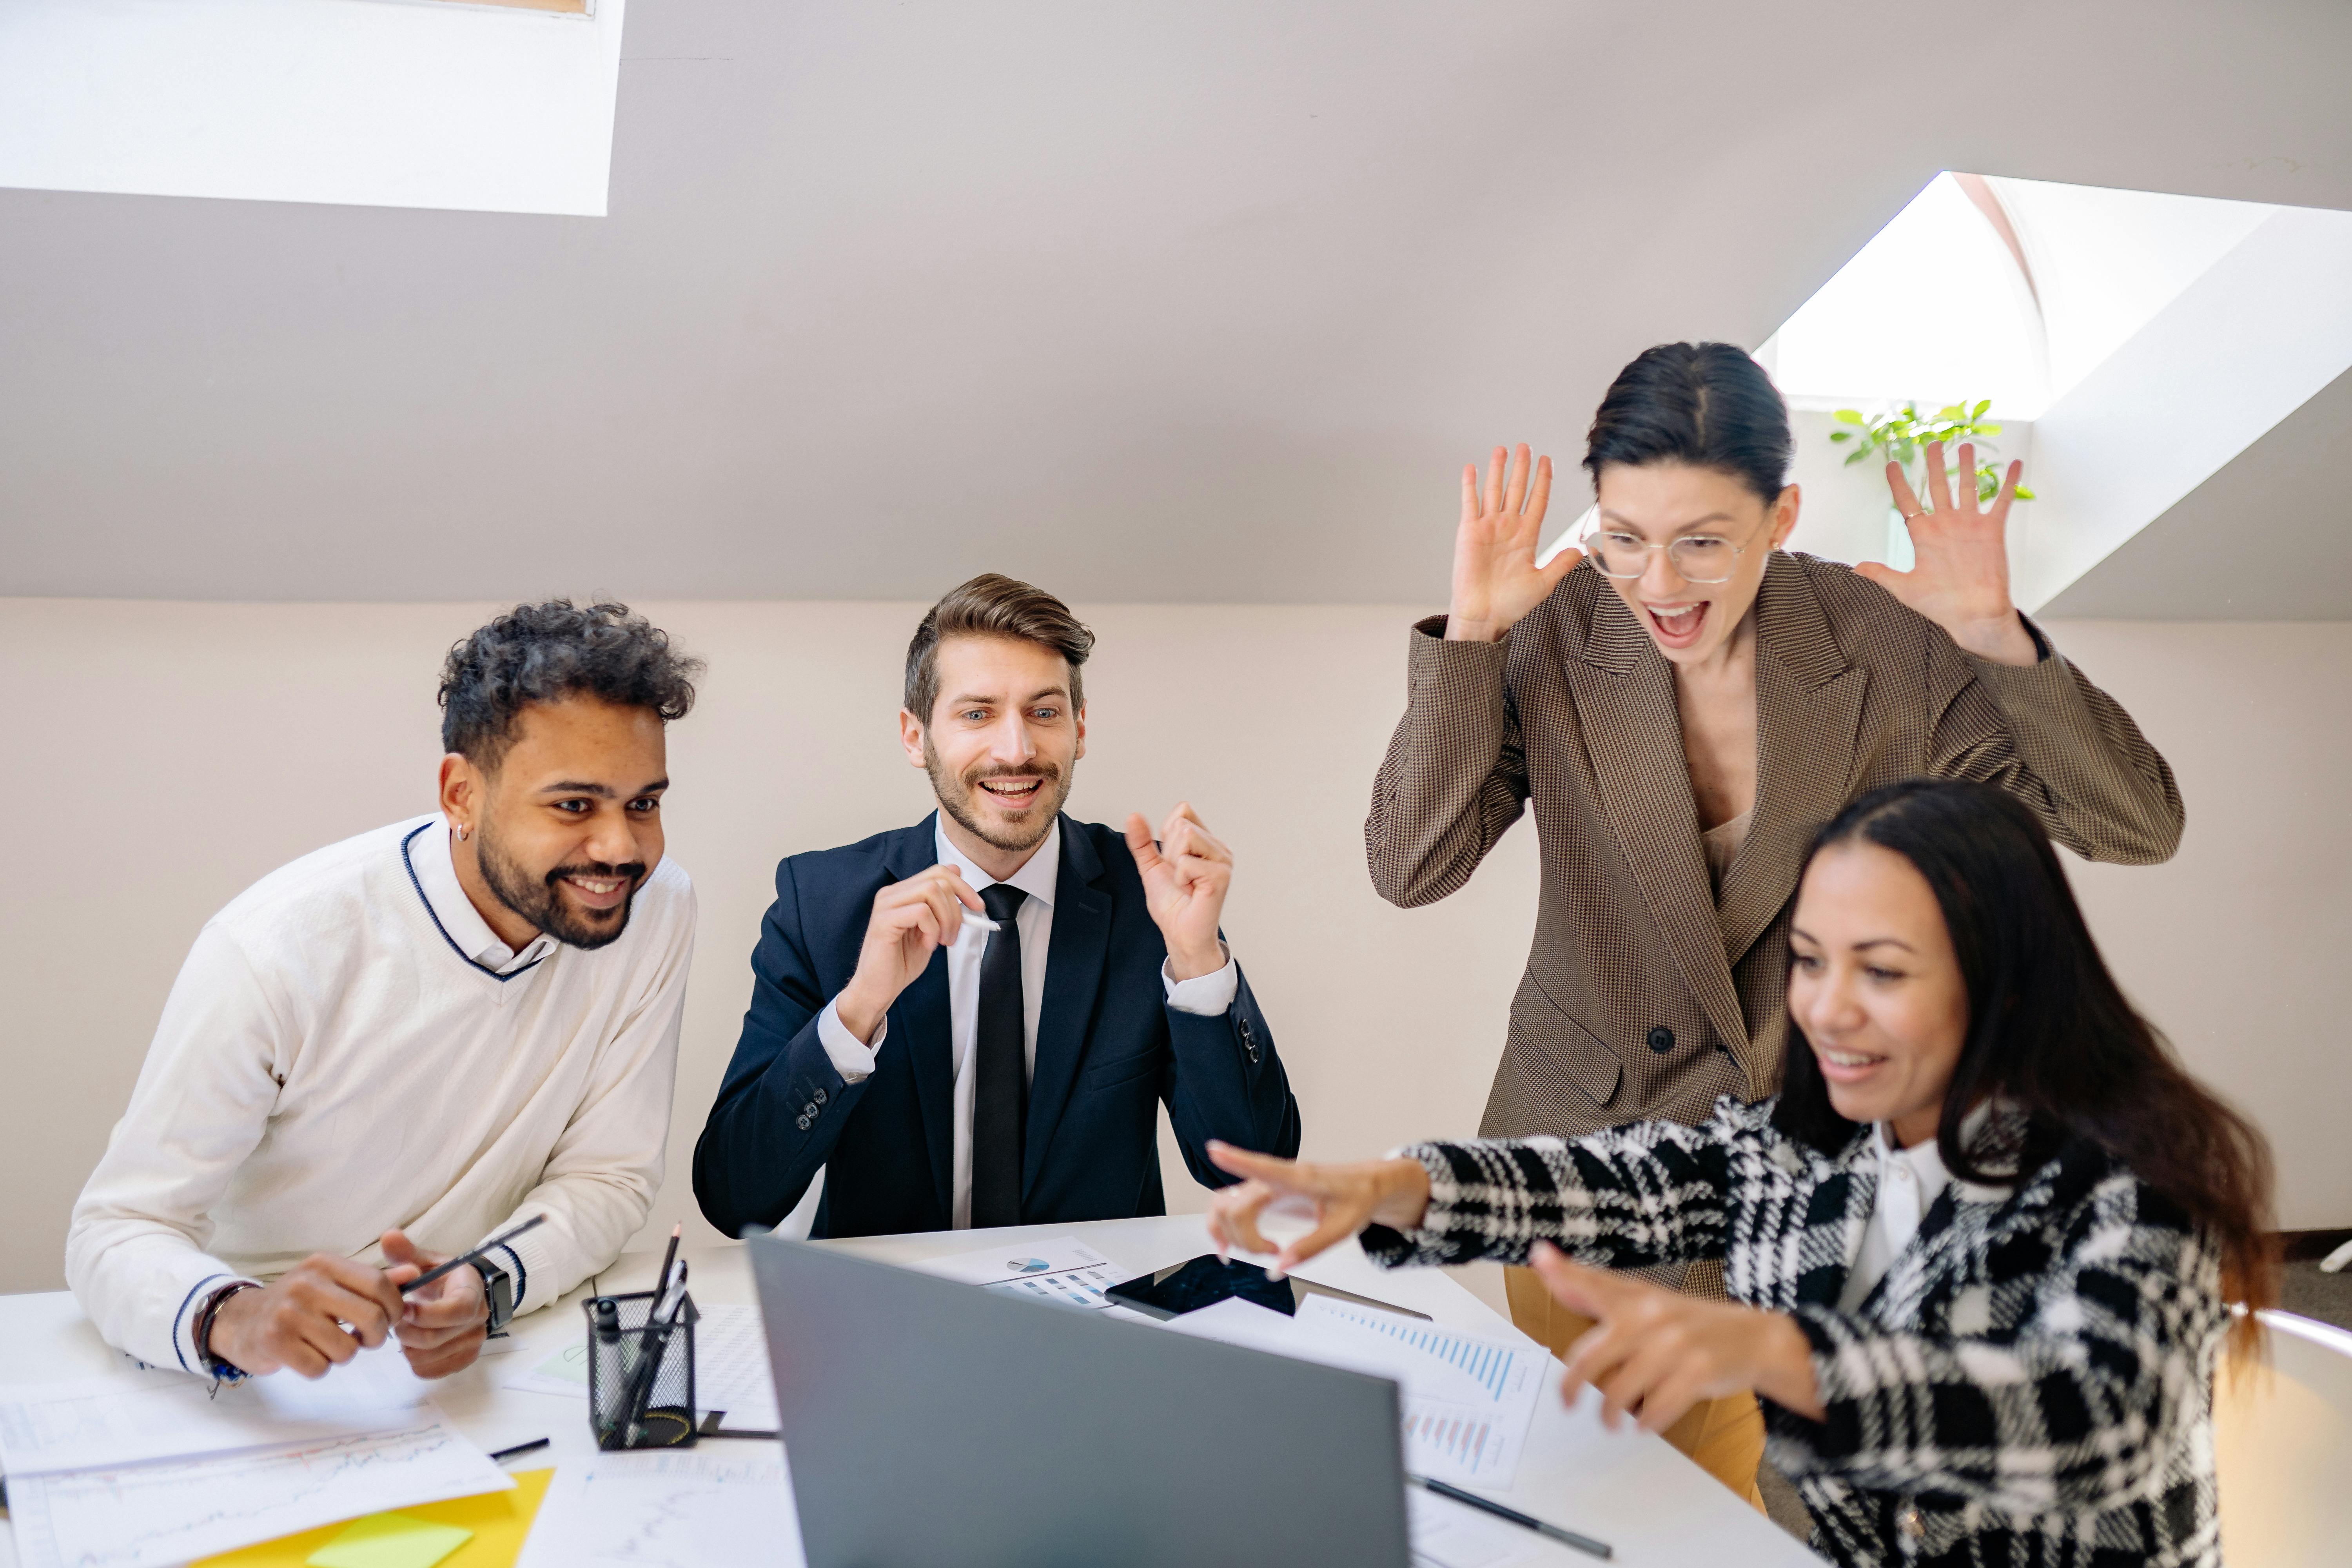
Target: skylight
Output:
[(2011, 289)]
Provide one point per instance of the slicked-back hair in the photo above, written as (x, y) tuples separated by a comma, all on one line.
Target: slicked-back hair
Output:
[(994, 605), (544, 653), (1707, 404)]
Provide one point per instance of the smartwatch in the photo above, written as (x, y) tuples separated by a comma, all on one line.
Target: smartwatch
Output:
[(498, 1289)]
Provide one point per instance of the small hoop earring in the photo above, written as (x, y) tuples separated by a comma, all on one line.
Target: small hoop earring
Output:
[(461, 833)]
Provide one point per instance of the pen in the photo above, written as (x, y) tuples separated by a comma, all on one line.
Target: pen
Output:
[(519, 1448), (1525, 1520), (982, 922), (430, 1275), (669, 1256)]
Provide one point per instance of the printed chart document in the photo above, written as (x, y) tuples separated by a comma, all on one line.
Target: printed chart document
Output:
[(1063, 1271), (1447, 1535), (98, 1420), (1466, 1398), (730, 1368), (152, 1515), (729, 1505)]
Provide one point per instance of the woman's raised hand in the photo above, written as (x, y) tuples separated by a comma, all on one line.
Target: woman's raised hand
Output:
[(1959, 578), (1342, 1200), (1496, 578)]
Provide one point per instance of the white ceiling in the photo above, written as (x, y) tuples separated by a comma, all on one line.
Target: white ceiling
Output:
[(1182, 303)]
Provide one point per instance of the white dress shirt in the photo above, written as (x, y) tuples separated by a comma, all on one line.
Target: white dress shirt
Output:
[(1208, 995), (350, 1047), (1909, 1183)]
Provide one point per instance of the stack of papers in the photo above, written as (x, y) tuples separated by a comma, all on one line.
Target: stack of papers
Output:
[(1466, 1398), (157, 1468), (1064, 1272)]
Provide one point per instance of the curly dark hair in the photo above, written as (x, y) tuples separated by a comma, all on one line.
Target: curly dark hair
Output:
[(542, 653)]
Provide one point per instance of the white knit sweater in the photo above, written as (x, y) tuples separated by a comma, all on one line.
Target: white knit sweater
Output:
[(342, 1054)]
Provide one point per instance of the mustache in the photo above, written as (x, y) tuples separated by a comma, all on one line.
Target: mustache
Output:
[(634, 871), (1047, 770)]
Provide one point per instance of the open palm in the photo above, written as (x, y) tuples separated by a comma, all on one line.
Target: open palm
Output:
[(1496, 578), (1959, 576)]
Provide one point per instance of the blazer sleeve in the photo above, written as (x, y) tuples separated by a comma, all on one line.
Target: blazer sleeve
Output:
[(2077, 1412), (1454, 778), (1629, 1198), (2066, 749), (782, 1103), (1224, 1081)]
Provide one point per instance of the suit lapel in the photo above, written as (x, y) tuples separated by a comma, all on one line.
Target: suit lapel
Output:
[(1074, 972), (1808, 714), (1625, 690), (920, 1017)]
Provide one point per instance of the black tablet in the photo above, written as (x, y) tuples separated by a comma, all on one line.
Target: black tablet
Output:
[(1204, 1281)]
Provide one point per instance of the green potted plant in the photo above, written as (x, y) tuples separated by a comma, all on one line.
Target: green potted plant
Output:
[(1902, 436)]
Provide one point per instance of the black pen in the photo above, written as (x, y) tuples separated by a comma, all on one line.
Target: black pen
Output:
[(430, 1275), (1524, 1520), (521, 1448)]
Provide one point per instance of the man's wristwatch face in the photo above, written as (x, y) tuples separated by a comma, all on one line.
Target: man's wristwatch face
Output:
[(497, 1290)]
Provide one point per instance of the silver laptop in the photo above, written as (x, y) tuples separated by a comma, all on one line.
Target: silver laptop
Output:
[(930, 1423)]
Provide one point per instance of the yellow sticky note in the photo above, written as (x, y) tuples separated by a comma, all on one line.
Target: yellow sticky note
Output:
[(496, 1522), (390, 1541)]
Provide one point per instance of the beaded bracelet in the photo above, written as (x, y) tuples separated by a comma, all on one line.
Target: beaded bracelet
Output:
[(202, 1333)]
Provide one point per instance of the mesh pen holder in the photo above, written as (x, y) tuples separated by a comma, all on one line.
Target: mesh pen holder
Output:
[(634, 1403)]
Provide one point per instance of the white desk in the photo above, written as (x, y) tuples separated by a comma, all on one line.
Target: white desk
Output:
[(1633, 1491)]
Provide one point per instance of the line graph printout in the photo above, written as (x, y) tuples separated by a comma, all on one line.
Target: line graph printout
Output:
[(150, 1516), (725, 1506), (95, 1421), (730, 1368)]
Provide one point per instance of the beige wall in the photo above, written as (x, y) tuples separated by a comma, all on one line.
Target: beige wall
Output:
[(165, 755)]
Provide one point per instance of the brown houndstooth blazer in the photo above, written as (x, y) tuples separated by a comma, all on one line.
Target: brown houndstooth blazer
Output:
[(1645, 995)]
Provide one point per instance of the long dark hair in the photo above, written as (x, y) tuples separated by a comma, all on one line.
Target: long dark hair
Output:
[(2049, 1031), (1708, 404)]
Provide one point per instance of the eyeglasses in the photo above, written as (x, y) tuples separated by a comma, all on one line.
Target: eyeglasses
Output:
[(1695, 558)]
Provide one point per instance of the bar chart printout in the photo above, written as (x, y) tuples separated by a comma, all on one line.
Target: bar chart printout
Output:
[(1467, 1398)]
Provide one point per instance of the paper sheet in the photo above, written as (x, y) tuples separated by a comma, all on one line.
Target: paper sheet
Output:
[(389, 1541), (150, 1516), (1447, 1535), (499, 1521), (730, 1368), (124, 1420), (729, 1505), (1467, 1399), (1062, 1272)]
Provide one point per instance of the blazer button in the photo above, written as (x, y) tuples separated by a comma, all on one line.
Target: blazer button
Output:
[(803, 1123), (1661, 1039), (809, 1109), (820, 1097)]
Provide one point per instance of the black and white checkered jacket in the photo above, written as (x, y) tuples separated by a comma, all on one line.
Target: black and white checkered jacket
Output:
[(2031, 1383)]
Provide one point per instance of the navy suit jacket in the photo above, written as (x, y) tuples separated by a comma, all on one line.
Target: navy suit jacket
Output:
[(1110, 1051)]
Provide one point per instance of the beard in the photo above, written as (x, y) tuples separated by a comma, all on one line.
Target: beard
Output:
[(542, 901), (959, 798)]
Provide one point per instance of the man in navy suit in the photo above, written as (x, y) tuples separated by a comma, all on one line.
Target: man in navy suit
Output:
[(973, 1021)]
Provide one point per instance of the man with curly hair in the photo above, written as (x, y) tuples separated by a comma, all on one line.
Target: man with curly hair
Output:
[(399, 1046)]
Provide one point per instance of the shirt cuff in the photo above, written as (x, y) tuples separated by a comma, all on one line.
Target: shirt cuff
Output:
[(191, 1355), (1207, 994), (850, 1058)]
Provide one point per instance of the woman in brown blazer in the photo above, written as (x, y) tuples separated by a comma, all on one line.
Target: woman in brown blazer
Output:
[(1685, 704)]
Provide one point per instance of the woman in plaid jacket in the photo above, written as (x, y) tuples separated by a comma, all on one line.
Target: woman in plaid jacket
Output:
[(1982, 1246)]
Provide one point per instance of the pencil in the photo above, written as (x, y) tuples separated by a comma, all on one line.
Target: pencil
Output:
[(430, 1275)]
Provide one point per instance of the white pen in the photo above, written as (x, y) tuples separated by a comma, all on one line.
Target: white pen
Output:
[(982, 922)]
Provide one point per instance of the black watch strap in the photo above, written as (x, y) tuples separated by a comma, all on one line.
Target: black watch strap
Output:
[(498, 1289)]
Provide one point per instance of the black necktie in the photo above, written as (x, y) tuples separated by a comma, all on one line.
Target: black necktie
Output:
[(1000, 1108)]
